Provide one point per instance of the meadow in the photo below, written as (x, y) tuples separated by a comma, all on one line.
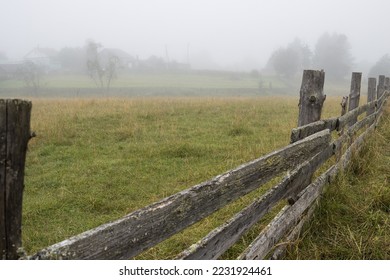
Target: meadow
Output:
[(192, 83), (95, 160), (184, 79)]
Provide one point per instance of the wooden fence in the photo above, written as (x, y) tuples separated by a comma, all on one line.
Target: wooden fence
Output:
[(313, 143)]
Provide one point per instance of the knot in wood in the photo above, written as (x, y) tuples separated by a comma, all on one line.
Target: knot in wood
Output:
[(312, 98)]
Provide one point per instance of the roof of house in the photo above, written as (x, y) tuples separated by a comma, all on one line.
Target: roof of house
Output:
[(122, 55), (40, 52)]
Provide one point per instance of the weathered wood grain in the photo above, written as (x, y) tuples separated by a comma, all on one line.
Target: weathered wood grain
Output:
[(344, 103), (311, 97), (352, 115), (142, 229), (3, 159), (222, 238), (367, 121), (382, 100), (387, 83), (380, 105), (14, 137), (354, 147), (331, 123), (380, 87), (287, 218), (331, 175), (354, 96), (280, 250), (302, 132), (371, 94)]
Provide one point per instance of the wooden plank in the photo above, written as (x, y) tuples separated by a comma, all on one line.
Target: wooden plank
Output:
[(144, 228), (343, 109), (355, 147), (351, 115), (222, 238), (344, 103), (18, 135), (331, 123), (302, 132), (381, 86), (287, 218), (382, 100), (359, 125), (354, 95), (387, 83), (3, 155), (371, 94), (380, 105), (351, 132), (281, 248), (311, 97)]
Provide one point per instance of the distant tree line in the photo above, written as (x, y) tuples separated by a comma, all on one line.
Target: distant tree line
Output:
[(381, 67), (332, 53)]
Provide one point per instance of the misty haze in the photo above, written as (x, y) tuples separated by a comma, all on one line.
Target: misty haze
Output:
[(194, 129), (256, 47)]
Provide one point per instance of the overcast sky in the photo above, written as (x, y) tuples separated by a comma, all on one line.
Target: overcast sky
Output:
[(227, 32)]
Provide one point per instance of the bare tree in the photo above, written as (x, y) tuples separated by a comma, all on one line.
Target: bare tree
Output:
[(31, 74), (111, 70), (381, 67), (101, 73)]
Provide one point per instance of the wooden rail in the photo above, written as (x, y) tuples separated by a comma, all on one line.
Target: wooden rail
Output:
[(312, 144), (146, 227)]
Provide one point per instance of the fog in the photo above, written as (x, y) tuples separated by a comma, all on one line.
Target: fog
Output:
[(221, 34)]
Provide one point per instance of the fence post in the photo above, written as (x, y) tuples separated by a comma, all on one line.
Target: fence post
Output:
[(371, 94), (354, 95), (381, 86), (343, 104), (14, 136), (311, 96), (311, 100), (387, 83)]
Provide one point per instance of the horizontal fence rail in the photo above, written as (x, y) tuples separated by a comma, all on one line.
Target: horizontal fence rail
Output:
[(146, 227), (313, 144)]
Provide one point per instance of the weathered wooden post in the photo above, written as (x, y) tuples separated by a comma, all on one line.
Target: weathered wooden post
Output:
[(14, 136), (354, 95), (311, 100), (371, 94), (381, 86), (344, 107), (311, 97), (387, 83), (344, 103)]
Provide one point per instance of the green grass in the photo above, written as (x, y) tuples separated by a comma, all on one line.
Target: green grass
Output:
[(95, 160), (352, 220), (223, 80)]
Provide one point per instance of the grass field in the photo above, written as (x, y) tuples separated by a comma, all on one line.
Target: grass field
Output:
[(191, 79), (95, 160), (167, 84), (193, 83)]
